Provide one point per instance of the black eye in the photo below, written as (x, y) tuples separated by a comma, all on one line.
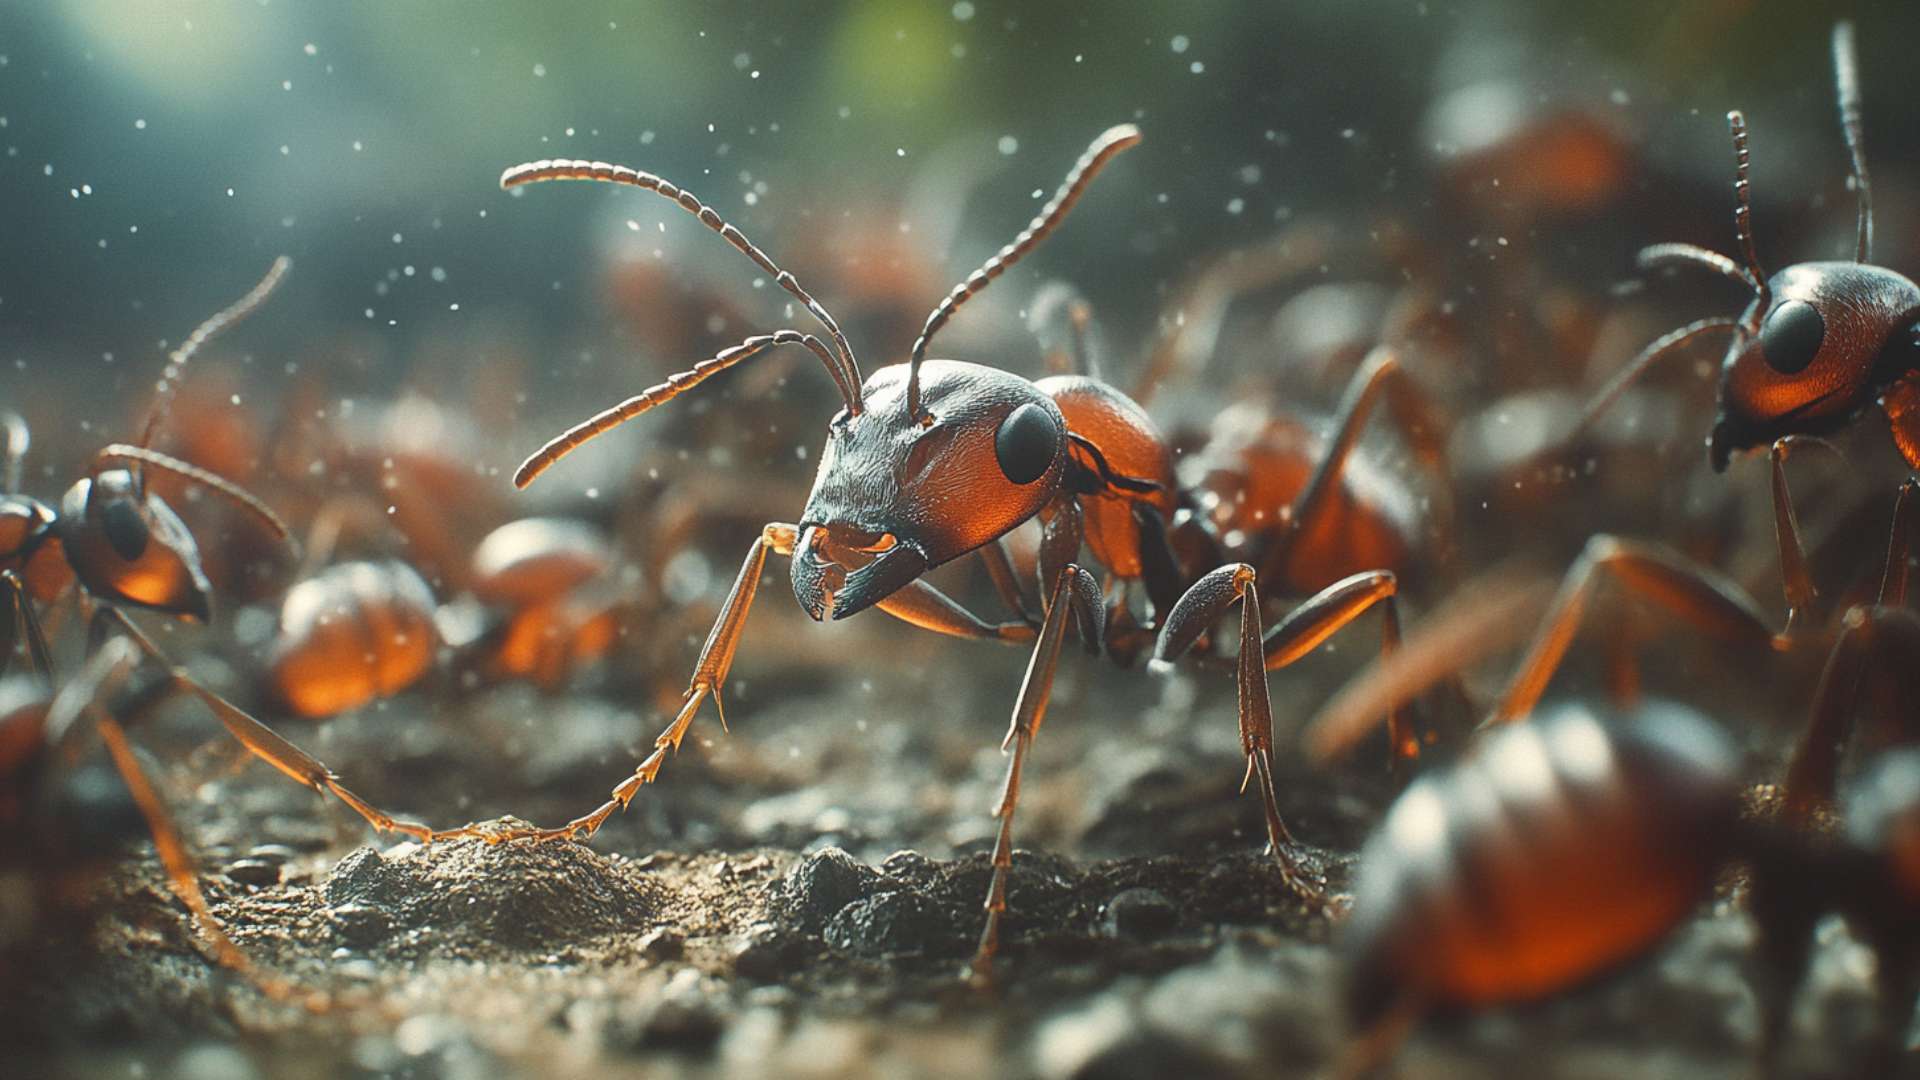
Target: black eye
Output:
[(1791, 336), (125, 527), (1026, 444)]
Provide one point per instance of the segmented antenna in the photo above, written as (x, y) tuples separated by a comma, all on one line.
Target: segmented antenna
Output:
[(1846, 78), (840, 364), (1658, 256), (1743, 208), (205, 332), (1649, 356), (121, 452), (15, 437), (600, 423), (1103, 148)]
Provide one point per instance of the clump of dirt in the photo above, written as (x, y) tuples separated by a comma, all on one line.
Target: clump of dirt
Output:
[(476, 898)]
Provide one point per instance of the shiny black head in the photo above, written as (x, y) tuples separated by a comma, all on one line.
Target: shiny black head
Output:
[(897, 495)]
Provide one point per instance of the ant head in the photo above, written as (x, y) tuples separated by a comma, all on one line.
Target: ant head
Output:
[(898, 494), (129, 547), (1809, 351)]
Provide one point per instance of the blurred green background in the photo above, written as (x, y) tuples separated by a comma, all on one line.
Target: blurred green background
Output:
[(156, 156)]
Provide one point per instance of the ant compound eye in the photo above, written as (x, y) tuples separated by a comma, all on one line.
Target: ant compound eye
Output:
[(1026, 444), (125, 527), (1791, 337)]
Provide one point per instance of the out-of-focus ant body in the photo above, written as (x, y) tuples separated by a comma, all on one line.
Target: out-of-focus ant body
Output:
[(935, 459), (368, 628), (116, 544), (1820, 341), (1569, 845), (1576, 836)]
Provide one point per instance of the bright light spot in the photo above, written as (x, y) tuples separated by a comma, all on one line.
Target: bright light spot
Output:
[(539, 71), (139, 125), (963, 11), (1009, 145), (1179, 43)]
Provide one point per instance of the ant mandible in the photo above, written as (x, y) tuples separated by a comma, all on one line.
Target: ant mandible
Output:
[(935, 459)]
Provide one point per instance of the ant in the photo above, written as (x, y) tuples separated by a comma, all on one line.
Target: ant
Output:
[(118, 545), (934, 459), (1569, 845), (1820, 341), (1831, 378)]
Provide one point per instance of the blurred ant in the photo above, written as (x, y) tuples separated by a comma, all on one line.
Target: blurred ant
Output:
[(368, 628), (123, 546), (1820, 341), (934, 459), (1568, 846), (349, 632), (1569, 843)]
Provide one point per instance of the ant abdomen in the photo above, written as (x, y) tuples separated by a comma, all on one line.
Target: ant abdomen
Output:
[(1563, 847)]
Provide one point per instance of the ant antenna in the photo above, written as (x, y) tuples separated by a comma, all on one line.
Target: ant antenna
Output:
[(1659, 347), (1743, 209), (1658, 256), (1110, 142), (600, 423), (260, 511), (205, 332), (1846, 77), (840, 364)]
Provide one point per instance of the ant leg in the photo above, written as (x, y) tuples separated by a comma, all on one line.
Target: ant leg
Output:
[(1159, 566), (1900, 548), (1073, 589), (26, 624), (1380, 374), (1873, 641), (1487, 615), (1200, 311), (1794, 574), (1301, 631), (709, 677), (1700, 596), (930, 609), (1200, 608), (259, 739), (101, 677), (1005, 581)]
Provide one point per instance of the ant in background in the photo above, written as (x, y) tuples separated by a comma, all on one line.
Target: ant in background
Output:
[(116, 544)]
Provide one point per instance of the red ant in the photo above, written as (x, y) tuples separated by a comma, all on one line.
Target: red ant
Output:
[(1820, 341), (935, 459), (123, 546)]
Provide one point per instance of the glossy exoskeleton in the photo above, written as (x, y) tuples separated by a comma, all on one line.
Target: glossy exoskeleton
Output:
[(934, 459), (1571, 844), (1820, 341), (115, 544)]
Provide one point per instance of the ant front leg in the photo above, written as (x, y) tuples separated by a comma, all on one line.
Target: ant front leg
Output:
[(917, 603), (22, 623), (1199, 609), (709, 678), (1073, 590), (260, 740)]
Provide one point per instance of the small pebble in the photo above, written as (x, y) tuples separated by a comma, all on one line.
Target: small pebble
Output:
[(255, 872)]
